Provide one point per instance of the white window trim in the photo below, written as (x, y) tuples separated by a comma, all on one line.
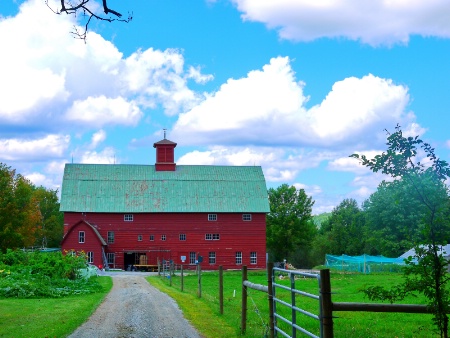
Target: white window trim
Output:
[(79, 237), (128, 217), (249, 216), (108, 237), (90, 257), (212, 254), (237, 256), (212, 217), (253, 258)]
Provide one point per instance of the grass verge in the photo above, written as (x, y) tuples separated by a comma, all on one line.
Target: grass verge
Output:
[(204, 313), (49, 317)]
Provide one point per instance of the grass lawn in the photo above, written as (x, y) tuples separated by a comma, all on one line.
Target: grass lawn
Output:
[(48, 317), (204, 312)]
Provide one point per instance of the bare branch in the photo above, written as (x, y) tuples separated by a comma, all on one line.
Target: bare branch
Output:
[(73, 7)]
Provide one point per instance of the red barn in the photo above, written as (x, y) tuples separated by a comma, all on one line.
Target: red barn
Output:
[(124, 215)]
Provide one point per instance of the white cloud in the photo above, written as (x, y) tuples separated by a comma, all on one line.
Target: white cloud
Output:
[(158, 78), (47, 75), (267, 107), (350, 164), (100, 111), (373, 22), (97, 138), (354, 105), (48, 147), (106, 156), (195, 74), (230, 156), (310, 190), (39, 179)]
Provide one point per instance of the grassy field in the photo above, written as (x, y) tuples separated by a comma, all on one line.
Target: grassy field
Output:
[(205, 315), (48, 317)]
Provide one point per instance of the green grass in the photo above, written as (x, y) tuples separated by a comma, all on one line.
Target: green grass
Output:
[(346, 287), (48, 317)]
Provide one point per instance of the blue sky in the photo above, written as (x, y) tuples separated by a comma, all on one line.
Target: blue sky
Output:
[(294, 86)]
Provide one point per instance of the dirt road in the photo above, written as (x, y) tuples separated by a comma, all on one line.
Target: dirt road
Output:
[(136, 309)]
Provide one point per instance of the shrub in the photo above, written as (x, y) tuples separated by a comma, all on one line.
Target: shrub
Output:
[(43, 275)]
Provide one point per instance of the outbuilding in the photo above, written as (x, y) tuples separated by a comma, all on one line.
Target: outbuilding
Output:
[(125, 216)]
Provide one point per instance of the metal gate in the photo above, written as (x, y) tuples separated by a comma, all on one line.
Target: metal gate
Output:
[(295, 308)]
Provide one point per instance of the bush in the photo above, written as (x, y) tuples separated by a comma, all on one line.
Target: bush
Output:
[(43, 275)]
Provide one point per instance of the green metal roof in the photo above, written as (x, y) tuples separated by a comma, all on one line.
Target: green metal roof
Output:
[(140, 188)]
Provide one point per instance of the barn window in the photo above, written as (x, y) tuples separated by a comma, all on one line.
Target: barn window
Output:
[(212, 217), (212, 257), (163, 237), (90, 257), (111, 258), (191, 257), (208, 237), (128, 217), (81, 237), (239, 258), (216, 237), (139, 238), (182, 237), (246, 217), (110, 236), (253, 257), (152, 238)]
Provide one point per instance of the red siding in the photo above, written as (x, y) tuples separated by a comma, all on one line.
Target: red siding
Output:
[(235, 234), (91, 242)]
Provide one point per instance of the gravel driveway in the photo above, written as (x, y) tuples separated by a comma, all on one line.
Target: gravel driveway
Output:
[(134, 308)]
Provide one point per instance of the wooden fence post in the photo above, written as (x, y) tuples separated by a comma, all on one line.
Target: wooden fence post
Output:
[(270, 293), (170, 273), (182, 280), (244, 301), (221, 289), (327, 305), (199, 291)]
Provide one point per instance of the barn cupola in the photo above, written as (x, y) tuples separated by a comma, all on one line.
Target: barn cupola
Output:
[(165, 156)]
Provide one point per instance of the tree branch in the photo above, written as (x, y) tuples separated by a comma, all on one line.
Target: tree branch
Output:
[(73, 8)]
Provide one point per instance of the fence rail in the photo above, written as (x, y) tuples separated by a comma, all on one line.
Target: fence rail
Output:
[(326, 306)]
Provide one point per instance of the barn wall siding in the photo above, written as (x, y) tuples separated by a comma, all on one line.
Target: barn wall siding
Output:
[(236, 235), (92, 243)]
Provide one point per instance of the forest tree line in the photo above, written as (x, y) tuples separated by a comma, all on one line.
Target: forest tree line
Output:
[(388, 223), (29, 214)]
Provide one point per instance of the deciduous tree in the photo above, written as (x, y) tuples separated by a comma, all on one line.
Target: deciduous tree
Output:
[(344, 229), (27, 213), (426, 271), (394, 218), (289, 223)]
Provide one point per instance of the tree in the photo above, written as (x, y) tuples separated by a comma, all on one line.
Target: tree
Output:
[(289, 223), (76, 7), (426, 271), (27, 213), (393, 219), (344, 229), (51, 230)]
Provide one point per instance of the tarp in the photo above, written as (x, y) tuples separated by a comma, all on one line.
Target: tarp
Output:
[(364, 263)]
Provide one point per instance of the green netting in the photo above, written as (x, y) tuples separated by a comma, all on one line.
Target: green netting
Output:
[(364, 263)]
